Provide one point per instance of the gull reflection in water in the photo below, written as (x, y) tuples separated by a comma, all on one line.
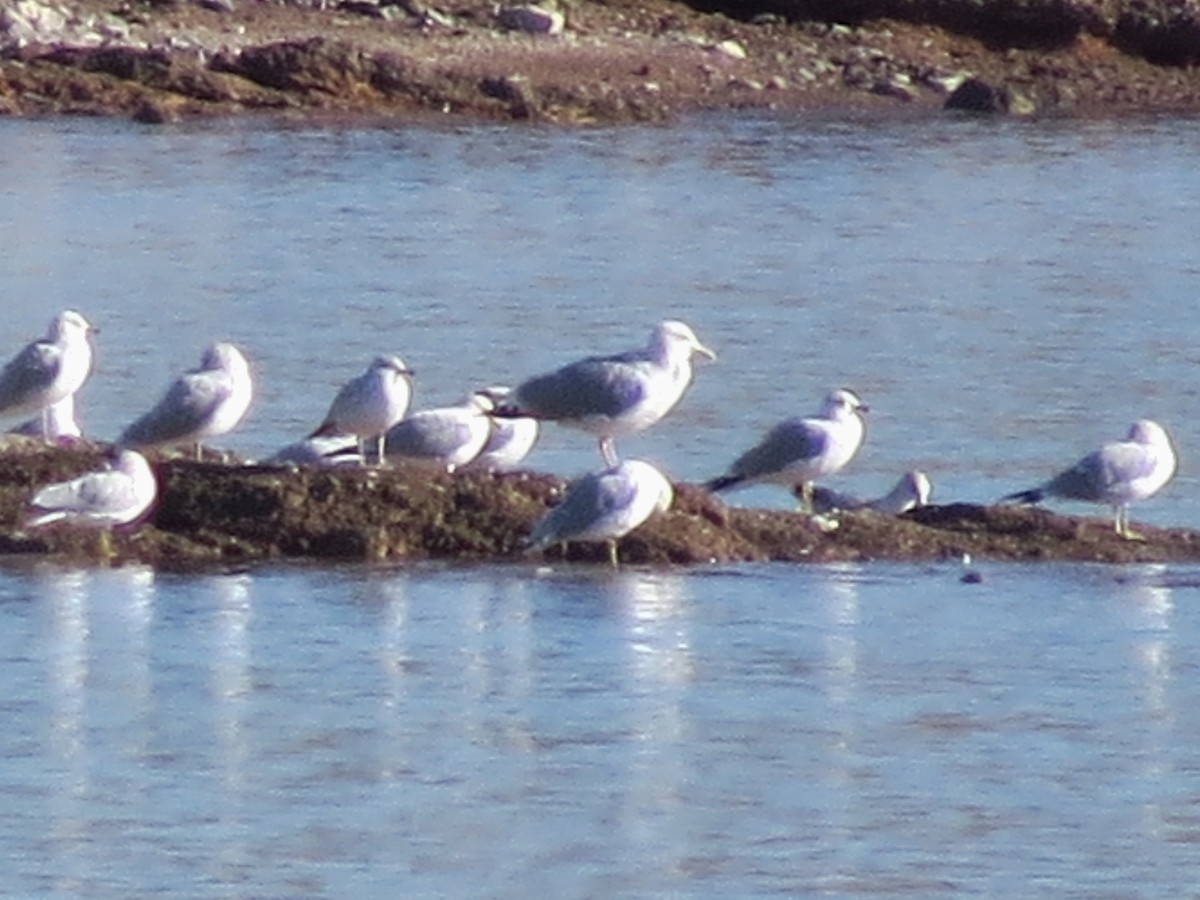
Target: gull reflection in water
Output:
[(63, 594), (231, 673)]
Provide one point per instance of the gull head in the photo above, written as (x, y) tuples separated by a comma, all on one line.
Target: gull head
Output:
[(391, 364), (225, 357), (842, 404), (1148, 433), (672, 335), (69, 324)]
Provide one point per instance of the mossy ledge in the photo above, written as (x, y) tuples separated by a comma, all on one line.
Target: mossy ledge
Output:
[(213, 512)]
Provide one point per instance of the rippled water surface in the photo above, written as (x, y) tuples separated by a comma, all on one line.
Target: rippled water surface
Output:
[(1004, 295)]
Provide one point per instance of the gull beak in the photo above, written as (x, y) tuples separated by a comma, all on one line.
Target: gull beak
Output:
[(698, 347)]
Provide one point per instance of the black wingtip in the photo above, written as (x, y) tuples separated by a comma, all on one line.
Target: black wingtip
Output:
[(1035, 495), (722, 483)]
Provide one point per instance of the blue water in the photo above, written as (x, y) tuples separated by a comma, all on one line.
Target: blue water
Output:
[(1005, 295)]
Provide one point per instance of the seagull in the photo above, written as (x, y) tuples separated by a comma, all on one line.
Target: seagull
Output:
[(48, 370), (335, 450), (1116, 474), (56, 423), (367, 406), (450, 435), (612, 396), (605, 506), (912, 490), (206, 402), (117, 495), (798, 451), (509, 441)]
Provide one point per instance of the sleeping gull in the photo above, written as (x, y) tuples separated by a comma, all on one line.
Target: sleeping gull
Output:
[(56, 423), (912, 490), (335, 450), (367, 406), (47, 370), (605, 506), (798, 451), (612, 396), (206, 402), (116, 495), (1116, 474), (509, 440), (451, 435)]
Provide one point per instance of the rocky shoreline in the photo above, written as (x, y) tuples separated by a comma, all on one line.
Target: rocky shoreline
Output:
[(217, 513), (594, 61)]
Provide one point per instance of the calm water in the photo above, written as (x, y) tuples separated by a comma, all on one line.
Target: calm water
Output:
[(1004, 295)]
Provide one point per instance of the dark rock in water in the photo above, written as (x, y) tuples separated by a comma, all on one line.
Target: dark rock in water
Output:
[(209, 512), (977, 96)]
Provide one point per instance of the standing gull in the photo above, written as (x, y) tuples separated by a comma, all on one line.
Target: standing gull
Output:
[(509, 440), (48, 370), (1116, 474), (796, 452), (612, 396), (116, 495), (605, 506), (912, 490), (367, 406), (450, 435), (200, 404)]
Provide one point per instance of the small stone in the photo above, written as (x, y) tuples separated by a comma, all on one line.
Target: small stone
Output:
[(531, 19), (975, 95), (731, 48)]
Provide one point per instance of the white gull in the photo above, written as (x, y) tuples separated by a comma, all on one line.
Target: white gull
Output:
[(47, 370)]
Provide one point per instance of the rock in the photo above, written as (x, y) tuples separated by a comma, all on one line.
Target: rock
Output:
[(730, 48), (314, 65), (977, 96), (29, 22), (516, 91), (1166, 32), (531, 19)]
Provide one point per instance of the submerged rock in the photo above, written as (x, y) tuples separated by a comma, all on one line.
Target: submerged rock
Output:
[(210, 512)]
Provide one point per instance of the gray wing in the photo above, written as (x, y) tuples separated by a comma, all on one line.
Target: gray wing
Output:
[(183, 411), (591, 502), (1099, 472), (788, 442), (30, 372), (600, 386), (95, 494), (428, 434)]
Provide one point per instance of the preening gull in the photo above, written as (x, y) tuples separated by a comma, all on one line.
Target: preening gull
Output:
[(449, 435), (913, 489), (605, 506), (206, 402), (509, 441), (114, 496), (48, 370), (612, 396), (56, 423), (796, 452), (367, 406), (1117, 474)]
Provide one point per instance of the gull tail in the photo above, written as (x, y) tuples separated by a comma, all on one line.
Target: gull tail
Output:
[(723, 482), (1033, 495)]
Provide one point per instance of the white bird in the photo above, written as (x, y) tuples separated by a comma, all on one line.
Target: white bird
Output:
[(605, 506), (367, 406), (335, 450), (509, 441), (1117, 474), (451, 436), (912, 490), (116, 495), (796, 452), (206, 402), (48, 370), (613, 396), (56, 423)]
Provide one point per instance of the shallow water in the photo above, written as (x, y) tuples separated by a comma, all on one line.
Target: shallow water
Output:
[(1005, 295)]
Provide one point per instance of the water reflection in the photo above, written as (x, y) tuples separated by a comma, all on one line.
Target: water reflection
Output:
[(65, 596)]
